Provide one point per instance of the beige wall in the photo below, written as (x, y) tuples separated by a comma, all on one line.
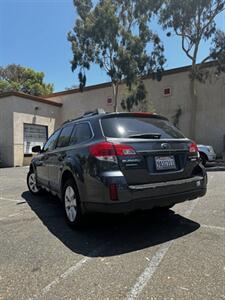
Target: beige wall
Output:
[(211, 114), (14, 112), (210, 127), (78, 103), (6, 133)]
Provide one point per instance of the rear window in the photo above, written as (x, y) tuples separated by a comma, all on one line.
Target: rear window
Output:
[(128, 127)]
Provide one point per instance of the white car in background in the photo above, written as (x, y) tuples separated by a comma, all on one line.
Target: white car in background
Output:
[(207, 153)]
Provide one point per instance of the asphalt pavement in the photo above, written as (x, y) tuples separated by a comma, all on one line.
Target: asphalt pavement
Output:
[(179, 254)]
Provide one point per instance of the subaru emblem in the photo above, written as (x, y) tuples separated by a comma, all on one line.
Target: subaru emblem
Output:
[(164, 146)]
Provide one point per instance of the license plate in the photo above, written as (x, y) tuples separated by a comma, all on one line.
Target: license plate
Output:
[(165, 163)]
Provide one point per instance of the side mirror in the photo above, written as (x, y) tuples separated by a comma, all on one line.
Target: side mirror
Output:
[(36, 149)]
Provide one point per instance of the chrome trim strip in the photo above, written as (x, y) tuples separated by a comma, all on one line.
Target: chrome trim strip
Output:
[(166, 183), (148, 140), (163, 151)]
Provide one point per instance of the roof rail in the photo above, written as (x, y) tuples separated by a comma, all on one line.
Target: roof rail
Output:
[(97, 111)]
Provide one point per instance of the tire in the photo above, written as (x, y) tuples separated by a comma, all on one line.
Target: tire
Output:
[(71, 203), (165, 208), (168, 207), (203, 159), (32, 184)]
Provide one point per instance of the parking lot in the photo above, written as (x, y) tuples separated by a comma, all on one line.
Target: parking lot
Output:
[(179, 254)]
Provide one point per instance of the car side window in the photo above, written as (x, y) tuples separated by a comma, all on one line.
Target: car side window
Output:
[(51, 142), (64, 137), (81, 133)]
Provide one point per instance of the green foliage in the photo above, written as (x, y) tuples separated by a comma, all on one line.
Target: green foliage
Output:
[(17, 78), (134, 96), (194, 22), (115, 34), (218, 50)]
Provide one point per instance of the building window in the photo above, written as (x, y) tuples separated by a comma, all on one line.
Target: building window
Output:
[(167, 91), (34, 135), (109, 101)]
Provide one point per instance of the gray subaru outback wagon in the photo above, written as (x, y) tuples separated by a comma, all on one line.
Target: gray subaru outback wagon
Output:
[(117, 163)]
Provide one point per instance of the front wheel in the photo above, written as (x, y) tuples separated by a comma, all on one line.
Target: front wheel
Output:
[(32, 183), (72, 204)]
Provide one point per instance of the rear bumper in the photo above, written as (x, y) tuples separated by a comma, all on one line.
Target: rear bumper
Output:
[(148, 196), (143, 203), (211, 157)]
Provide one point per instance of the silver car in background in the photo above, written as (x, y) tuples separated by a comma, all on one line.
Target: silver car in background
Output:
[(207, 153)]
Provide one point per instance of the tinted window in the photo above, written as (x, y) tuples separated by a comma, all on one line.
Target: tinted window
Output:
[(64, 137), (81, 133), (125, 127), (51, 143)]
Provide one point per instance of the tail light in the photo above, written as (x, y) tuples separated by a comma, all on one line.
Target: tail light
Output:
[(193, 148), (107, 151), (113, 193), (124, 150), (104, 151)]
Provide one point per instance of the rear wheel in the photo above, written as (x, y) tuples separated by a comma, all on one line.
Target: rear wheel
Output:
[(168, 206), (32, 183), (165, 208), (72, 204)]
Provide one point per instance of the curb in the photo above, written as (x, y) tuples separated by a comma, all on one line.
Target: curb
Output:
[(215, 169)]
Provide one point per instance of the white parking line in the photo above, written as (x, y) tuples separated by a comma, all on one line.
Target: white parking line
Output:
[(70, 271), (67, 273), (10, 200), (10, 216), (213, 227), (149, 271)]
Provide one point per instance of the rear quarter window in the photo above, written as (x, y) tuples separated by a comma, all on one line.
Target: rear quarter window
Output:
[(80, 134), (125, 127)]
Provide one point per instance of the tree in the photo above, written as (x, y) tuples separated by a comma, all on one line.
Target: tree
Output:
[(17, 78), (115, 35), (218, 50), (194, 22)]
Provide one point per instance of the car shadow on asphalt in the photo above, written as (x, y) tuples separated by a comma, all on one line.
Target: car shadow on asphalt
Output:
[(119, 233)]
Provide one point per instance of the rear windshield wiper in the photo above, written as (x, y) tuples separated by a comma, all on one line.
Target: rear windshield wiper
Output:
[(146, 135)]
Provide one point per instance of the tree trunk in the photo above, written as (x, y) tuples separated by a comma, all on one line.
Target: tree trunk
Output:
[(193, 108), (115, 96)]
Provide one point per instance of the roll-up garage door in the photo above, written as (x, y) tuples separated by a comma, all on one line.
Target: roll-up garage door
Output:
[(34, 135)]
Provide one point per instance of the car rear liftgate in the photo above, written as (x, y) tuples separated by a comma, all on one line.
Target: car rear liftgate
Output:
[(155, 161)]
